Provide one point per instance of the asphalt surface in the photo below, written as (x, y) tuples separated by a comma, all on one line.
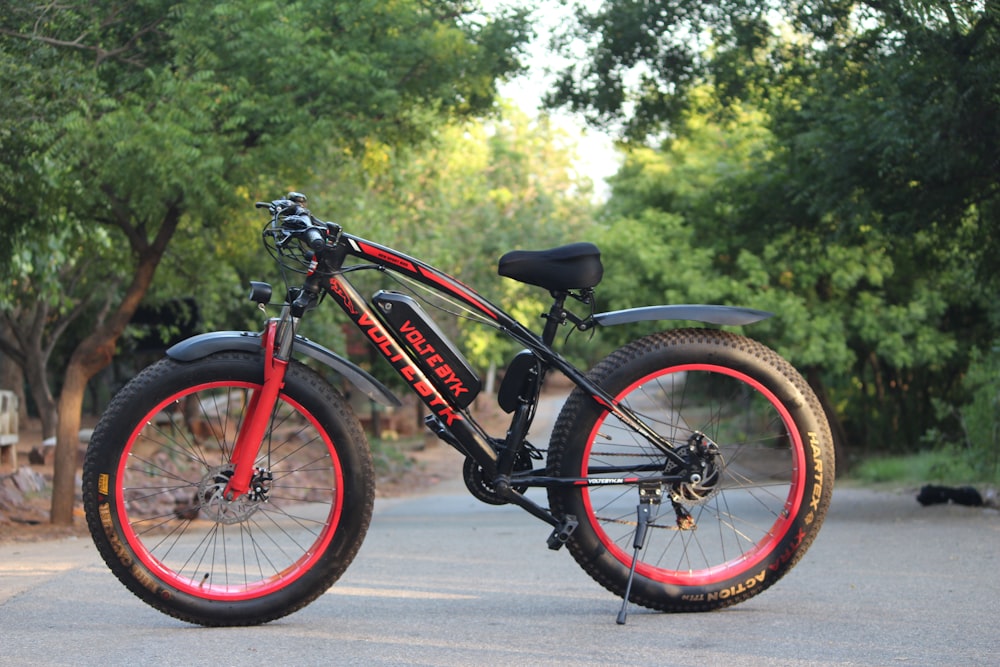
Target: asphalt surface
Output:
[(445, 580)]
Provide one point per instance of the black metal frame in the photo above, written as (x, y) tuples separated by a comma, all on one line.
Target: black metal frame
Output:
[(452, 422)]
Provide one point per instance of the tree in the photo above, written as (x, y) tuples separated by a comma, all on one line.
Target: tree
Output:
[(55, 283), (857, 217), (460, 200), (164, 114), (887, 112)]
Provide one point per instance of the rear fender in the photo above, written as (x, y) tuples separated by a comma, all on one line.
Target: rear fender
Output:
[(202, 345), (722, 315)]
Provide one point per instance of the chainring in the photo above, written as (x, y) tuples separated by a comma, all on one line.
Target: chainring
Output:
[(482, 488)]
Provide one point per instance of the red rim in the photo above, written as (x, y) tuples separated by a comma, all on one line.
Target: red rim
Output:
[(734, 566), (250, 590)]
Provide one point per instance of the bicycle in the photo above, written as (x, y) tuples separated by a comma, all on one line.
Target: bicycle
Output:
[(229, 483)]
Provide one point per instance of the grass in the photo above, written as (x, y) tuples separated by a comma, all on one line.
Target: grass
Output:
[(944, 467)]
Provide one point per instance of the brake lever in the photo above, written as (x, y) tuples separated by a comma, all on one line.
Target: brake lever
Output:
[(297, 222)]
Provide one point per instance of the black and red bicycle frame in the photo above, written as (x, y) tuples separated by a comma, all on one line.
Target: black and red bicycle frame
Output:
[(452, 422), (448, 419)]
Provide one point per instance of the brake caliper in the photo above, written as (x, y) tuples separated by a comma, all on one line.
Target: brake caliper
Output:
[(706, 471)]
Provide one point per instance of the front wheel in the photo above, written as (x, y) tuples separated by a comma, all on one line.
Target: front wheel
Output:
[(159, 461), (763, 492)]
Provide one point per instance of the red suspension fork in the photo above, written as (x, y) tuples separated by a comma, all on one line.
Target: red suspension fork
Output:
[(259, 413)]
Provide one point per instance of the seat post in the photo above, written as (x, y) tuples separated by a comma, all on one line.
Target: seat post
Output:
[(555, 317)]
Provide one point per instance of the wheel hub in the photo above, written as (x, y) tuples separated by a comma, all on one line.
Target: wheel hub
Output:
[(695, 493), (703, 455), (212, 500)]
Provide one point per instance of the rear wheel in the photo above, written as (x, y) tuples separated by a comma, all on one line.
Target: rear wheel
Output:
[(764, 490), (159, 460)]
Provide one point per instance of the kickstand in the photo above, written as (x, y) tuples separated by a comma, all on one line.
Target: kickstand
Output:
[(648, 496)]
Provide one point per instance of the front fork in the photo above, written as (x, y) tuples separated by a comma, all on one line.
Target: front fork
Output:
[(261, 406)]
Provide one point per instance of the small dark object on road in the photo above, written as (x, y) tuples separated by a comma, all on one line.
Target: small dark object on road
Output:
[(937, 495)]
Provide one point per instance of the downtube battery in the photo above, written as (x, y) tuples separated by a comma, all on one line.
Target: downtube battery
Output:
[(437, 357)]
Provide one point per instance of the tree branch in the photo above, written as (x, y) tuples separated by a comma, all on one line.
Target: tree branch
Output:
[(101, 54), (121, 219), (62, 323), (13, 352)]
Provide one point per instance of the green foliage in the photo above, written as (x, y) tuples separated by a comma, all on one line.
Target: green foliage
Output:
[(886, 113), (153, 125), (458, 201), (118, 113), (833, 162), (976, 441), (390, 457), (55, 270)]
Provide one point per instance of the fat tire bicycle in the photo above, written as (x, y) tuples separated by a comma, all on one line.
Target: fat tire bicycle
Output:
[(230, 483)]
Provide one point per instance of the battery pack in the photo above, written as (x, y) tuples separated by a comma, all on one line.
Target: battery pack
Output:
[(443, 365)]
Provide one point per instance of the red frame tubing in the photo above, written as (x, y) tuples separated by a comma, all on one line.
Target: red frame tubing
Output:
[(259, 413), (422, 272)]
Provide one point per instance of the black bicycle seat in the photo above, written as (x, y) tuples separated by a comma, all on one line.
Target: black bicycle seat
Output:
[(573, 266)]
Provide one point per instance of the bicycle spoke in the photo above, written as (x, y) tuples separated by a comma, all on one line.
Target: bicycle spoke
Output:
[(172, 489)]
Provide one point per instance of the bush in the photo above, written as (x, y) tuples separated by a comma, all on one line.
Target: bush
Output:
[(980, 417)]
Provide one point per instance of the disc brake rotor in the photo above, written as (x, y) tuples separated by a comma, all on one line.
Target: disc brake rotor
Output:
[(212, 501), (707, 454)]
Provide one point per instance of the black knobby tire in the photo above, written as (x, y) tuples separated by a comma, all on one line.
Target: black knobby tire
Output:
[(155, 468), (762, 501)]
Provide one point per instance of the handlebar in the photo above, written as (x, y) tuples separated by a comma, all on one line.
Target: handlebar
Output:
[(292, 221), (315, 239)]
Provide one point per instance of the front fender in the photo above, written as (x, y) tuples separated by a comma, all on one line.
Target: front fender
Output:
[(202, 345), (722, 315)]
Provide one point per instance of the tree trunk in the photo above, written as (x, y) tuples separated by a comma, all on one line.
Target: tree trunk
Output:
[(68, 443), (89, 358), (28, 337), (34, 373)]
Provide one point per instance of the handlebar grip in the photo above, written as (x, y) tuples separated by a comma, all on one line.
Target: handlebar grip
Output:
[(314, 239)]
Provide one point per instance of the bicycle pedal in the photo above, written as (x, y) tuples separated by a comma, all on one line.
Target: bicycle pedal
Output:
[(562, 533)]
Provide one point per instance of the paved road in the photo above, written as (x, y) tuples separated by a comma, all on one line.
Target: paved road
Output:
[(444, 580)]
